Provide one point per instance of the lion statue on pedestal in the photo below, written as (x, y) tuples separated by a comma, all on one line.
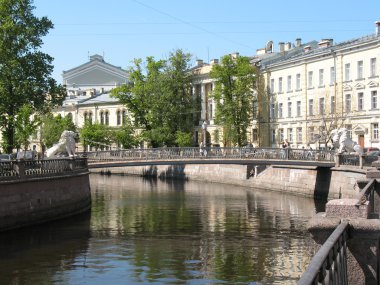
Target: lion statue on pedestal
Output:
[(64, 147), (342, 142)]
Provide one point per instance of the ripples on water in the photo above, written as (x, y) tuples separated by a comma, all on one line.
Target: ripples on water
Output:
[(147, 231)]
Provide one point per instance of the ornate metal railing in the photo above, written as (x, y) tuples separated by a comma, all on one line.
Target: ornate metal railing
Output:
[(329, 265), (17, 169), (211, 153), (368, 194)]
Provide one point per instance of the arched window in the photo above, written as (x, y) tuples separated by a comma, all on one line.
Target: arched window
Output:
[(85, 115), (90, 117), (69, 115), (124, 116), (102, 117), (118, 117), (107, 118)]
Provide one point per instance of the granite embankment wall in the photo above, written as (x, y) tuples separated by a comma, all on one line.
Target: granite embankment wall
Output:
[(307, 181), (36, 200)]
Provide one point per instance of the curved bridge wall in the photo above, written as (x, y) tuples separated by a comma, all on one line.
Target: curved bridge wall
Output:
[(308, 181), (36, 200)]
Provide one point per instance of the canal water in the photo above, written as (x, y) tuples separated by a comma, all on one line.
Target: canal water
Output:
[(150, 231)]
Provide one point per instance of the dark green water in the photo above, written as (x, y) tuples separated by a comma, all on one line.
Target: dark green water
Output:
[(144, 231)]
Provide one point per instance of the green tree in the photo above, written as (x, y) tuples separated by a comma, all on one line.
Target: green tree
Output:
[(25, 126), (184, 139), (25, 70), (159, 98), (124, 136), (234, 95), (94, 134), (52, 128)]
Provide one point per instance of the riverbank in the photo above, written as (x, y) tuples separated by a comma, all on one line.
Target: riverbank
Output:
[(316, 182)]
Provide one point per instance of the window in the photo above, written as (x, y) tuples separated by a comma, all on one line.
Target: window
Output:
[(360, 101), (374, 99), (271, 111), (347, 72), (375, 131), (254, 135), (118, 117), (272, 85), (299, 134), (289, 109), (255, 109), (280, 110), (373, 71), (311, 133), (289, 83), (298, 81), (290, 135), (332, 75), (349, 130), (273, 136), (107, 118), (85, 116), (311, 107), (90, 117), (281, 134), (210, 113), (298, 108), (102, 117), (310, 79), (347, 105), (280, 85), (360, 69), (124, 117), (321, 106), (332, 104), (321, 80)]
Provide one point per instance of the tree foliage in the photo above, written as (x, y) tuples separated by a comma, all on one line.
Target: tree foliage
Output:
[(234, 94), (25, 70), (95, 135), (25, 126), (124, 136), (52, 128), (159, 97)]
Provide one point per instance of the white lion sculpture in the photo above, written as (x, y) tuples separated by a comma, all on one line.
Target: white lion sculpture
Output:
[(342, 142), (65, 145)]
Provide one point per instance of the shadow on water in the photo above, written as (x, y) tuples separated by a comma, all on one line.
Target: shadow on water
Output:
[(51, 245)]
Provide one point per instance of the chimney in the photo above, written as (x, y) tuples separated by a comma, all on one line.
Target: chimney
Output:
[(306, 49), (214, 61), (288, 46), (377, 28), (325, 43), (298, 42), (199, 62), (281, 46)]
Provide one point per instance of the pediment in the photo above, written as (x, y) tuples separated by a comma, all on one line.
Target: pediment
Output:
[(95, 76), (359, 129), (359, 86), (95, 72), (373, 84), (347, 87)]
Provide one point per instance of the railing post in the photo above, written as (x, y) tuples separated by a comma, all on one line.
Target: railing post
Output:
[(338, 158), (361, 160), (20, 168)]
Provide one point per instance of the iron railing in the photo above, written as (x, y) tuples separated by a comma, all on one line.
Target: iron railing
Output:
[(10, 170), (211, 153), (329, 264), (368, 194)]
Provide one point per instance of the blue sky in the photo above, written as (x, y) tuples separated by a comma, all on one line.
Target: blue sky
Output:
[(122, 30)]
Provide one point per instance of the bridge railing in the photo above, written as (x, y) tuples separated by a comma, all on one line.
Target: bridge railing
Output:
[(329, 265), (10, 170), (211, 153)]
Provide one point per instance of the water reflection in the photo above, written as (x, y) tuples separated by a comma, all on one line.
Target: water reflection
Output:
[(144, 231)]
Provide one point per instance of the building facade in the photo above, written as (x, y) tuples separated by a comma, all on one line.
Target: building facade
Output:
[(311, 89)]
